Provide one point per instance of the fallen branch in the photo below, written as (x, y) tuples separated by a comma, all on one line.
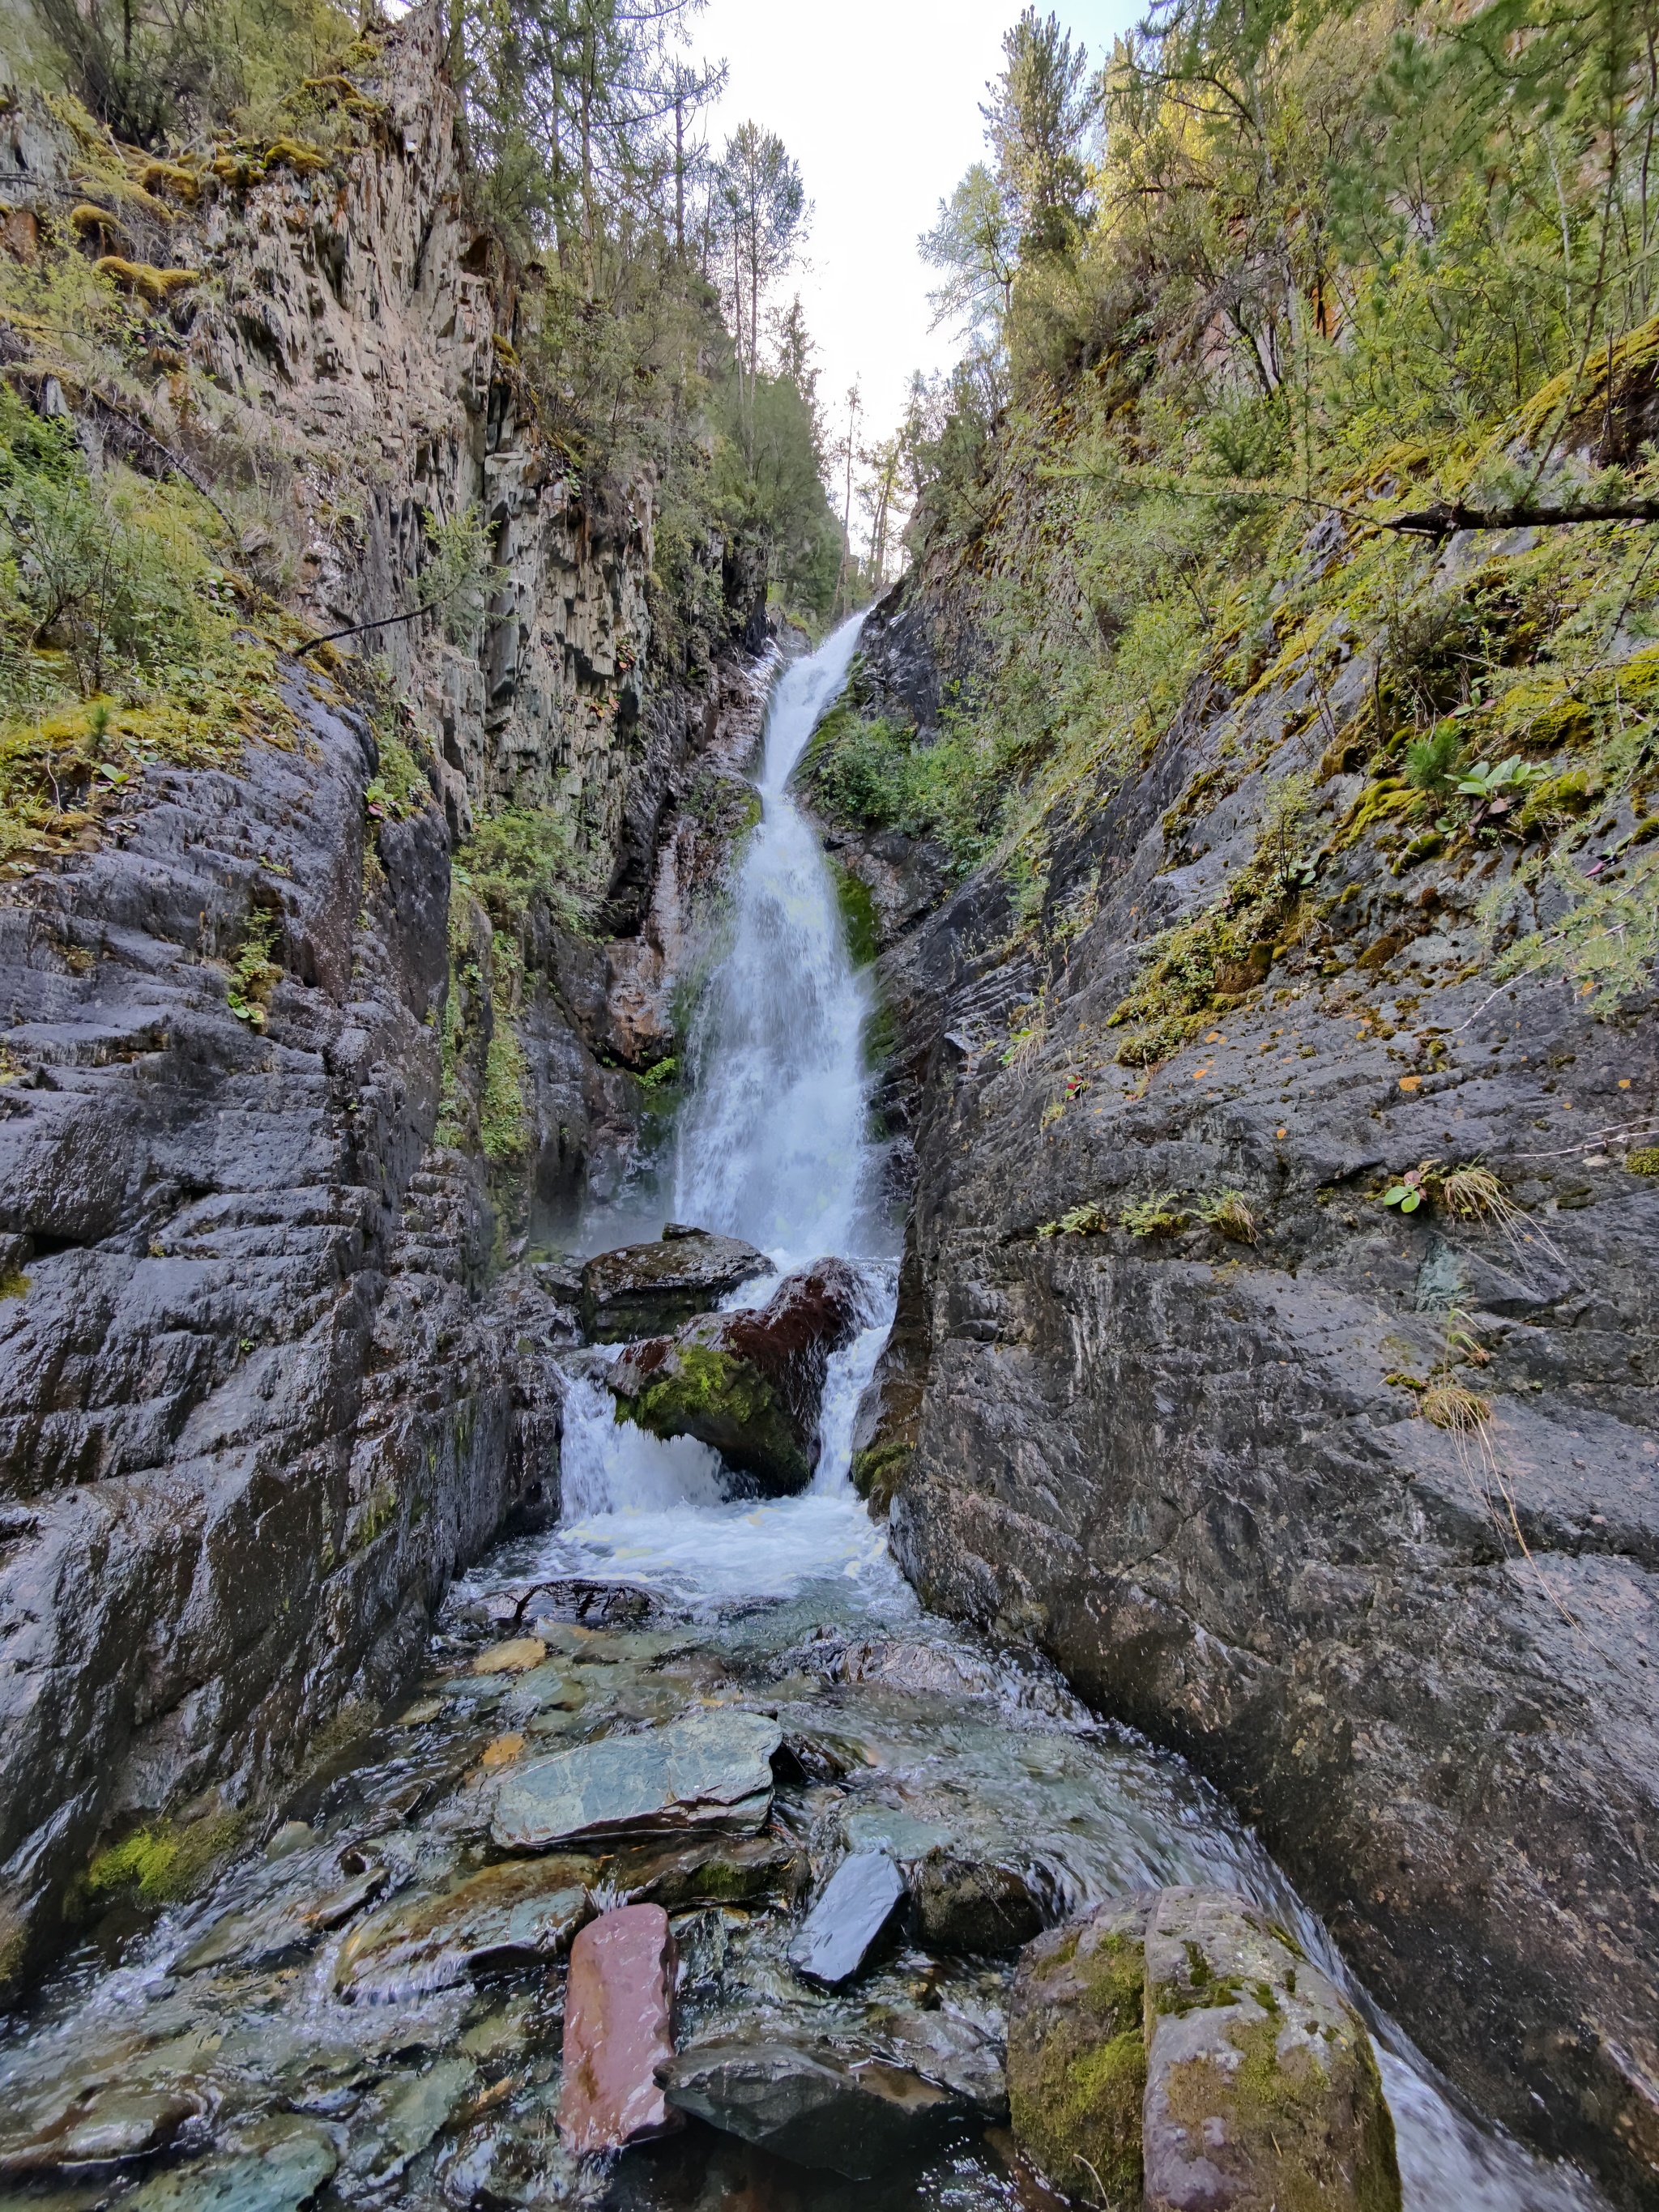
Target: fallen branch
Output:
[(1447, 516), (353, 629)]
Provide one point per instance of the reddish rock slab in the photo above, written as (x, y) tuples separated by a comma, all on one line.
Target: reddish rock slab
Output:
[(618, 2029)]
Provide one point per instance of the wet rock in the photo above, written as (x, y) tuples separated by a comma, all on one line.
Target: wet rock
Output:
[(406, 2111), (734, 1870), (500, 1915), (964, 1903), (618, 2030), (749, 1383), (271, 2168), (1077, 2052), (1175, 2044), (286, 1925), (1261, 2086), (712, 1770), (105, 2127), (810, 2106), (858, 1905), (648, 1289), (516, 1657)]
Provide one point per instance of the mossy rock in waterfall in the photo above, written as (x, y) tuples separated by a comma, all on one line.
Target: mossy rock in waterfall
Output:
[(749, 1383), (1077, 2052), (700, 1391)]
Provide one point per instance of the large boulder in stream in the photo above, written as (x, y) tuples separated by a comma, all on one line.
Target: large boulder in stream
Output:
[(647, 1289), (1177, 2049), (749, 1383)]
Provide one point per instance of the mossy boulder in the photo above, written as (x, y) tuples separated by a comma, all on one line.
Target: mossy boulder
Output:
[(749, 1383), (1077, 2052), (1177, 2049)]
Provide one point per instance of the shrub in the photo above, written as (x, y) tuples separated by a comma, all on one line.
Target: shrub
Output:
[(1644, 1162), (1433, 763), (520, 854)]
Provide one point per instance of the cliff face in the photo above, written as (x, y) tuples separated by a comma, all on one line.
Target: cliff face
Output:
[(271, 1363), (1189, 1457)]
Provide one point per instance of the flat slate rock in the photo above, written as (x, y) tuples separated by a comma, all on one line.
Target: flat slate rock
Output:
[(857, 1906), (275, 2167), (500, 1915), (812, 2106), (710, 1770), (648, 1289), (618, 2031)]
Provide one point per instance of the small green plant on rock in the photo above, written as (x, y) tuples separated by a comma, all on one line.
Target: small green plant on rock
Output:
[(255, 974), (1412, 1187), (1432, 764), (1082, 1221), (1644, 1162), (1228, 1211), (1160, 1215)]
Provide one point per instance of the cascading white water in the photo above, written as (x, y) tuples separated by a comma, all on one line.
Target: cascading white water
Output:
[(772, 1148), (771, 1143)]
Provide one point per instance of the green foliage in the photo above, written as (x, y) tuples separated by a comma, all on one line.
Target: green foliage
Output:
[(1159, 1215), (1229, 1211), (95, 569), (401, 787), (1645, 1161), (1434, 762), (520, 854), (455, 578), (148, 68), (254, 974), (1606, 944), (1085, 1220)]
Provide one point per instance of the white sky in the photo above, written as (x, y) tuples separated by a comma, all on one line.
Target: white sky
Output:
[(879, 102)]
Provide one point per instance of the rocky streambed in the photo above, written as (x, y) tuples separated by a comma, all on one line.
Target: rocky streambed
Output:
[(850, 1823)]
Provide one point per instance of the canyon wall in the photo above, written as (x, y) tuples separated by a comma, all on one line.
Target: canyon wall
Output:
[(1188, 1457), (273, 1361)]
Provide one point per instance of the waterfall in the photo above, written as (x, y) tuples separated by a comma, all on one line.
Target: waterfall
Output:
[(771, 1144)]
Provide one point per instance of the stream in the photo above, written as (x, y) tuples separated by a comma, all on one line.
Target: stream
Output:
[(368, 2009)]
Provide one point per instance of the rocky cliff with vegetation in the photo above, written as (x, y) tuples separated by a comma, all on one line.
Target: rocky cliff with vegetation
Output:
[(1273, 702), (337, 975)]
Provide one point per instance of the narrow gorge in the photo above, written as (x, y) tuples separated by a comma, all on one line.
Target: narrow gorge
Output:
[(815, 1392)]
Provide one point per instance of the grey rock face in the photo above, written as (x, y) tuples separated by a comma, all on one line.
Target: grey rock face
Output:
[(648, 1289), (811, 2107), (712, 1771), (234, 1476), (858, 1905), (1191, 1470)]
